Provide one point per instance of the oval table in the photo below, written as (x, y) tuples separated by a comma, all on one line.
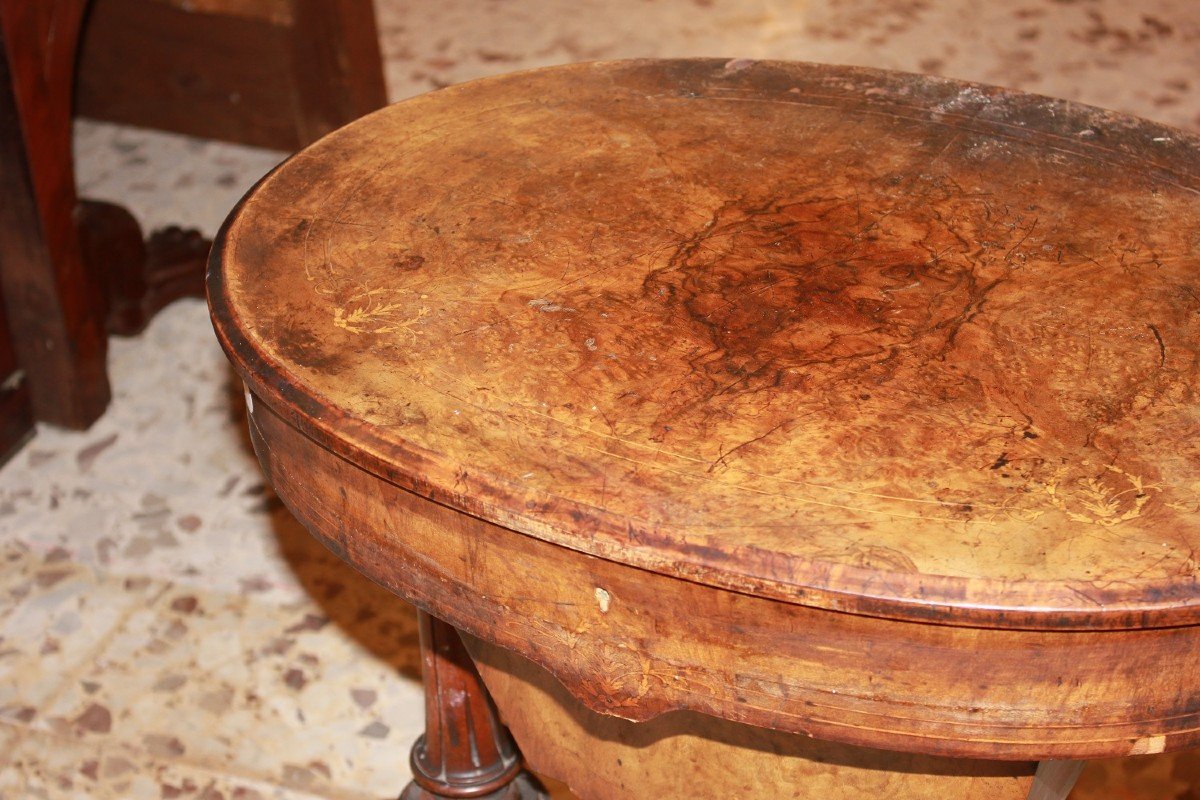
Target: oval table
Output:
[(765, 429)]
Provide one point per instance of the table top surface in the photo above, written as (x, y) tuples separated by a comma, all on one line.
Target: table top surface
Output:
[(861, 340)]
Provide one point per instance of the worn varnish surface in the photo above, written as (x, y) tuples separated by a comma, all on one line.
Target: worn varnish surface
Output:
[(636, 644), (714, 759), (862, 341), (649, 371)]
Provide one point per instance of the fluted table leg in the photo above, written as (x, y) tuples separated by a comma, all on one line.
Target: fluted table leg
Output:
[(1055, 779), (465, 752)]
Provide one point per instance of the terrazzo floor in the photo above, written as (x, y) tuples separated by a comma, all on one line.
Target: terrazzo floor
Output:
[(167, 630)]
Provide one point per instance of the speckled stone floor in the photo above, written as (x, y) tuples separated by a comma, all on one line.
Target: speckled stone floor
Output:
[(168, 631)]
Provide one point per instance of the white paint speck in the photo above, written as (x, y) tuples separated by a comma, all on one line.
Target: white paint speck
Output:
[(589, 343), (603, 599)]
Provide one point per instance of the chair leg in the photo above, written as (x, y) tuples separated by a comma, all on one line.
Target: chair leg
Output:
[(465, 752), (54, 303)]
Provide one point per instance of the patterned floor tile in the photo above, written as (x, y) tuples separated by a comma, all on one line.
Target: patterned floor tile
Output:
[(165, 483), (1134, 57), (284, 693), (10, 737), (63, 613), (53, 768)]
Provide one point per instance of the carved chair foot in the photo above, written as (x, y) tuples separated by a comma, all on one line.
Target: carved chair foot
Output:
[(139, 277)]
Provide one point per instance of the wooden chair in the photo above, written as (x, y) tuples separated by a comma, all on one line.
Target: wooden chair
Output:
[(72, 271)]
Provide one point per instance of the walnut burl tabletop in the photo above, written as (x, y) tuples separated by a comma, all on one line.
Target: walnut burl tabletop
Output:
[(873, 397)]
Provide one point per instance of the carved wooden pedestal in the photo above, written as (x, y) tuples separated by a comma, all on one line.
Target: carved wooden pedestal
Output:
[(466, 751)]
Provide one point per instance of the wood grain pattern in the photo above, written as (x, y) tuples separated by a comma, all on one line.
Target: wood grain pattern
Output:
[(637, 644), (827, 401), (858, 341), (687, 756)]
